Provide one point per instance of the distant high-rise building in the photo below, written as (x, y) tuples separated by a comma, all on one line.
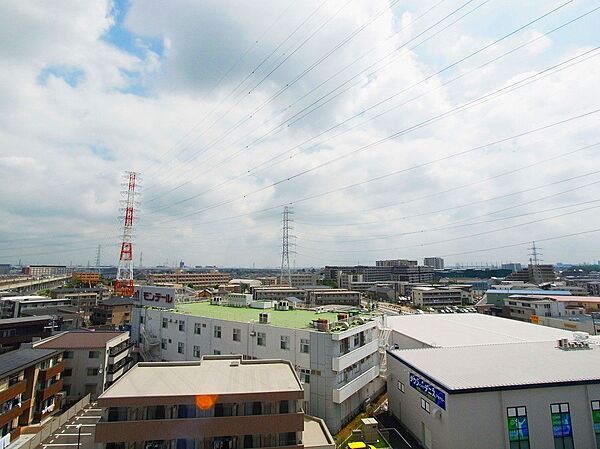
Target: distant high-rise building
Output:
[(512, 266), (437, 263), (396, 263)]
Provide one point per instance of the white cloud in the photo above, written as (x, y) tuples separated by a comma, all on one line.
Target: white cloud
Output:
[(63, 146)]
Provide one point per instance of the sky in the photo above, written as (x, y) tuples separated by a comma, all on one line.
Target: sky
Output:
[(465, 129)]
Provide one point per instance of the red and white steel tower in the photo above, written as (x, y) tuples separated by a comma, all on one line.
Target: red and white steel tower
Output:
[(124, 281)]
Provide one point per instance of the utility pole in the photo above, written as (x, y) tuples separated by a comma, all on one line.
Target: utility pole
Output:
[(288, 213)]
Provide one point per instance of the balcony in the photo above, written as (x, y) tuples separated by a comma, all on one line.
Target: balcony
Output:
[(49, 373), (343, 362), (194, 428), (119, 349), (50, 391), (12, 391), (13, 413), (341, 394)]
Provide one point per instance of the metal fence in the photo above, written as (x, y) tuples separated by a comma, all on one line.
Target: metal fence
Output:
[(54, 424)]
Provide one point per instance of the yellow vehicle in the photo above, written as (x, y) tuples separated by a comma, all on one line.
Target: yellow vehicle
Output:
[(360, 445)]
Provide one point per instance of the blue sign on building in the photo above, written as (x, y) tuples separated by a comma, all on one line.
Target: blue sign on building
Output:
[(428, 390)]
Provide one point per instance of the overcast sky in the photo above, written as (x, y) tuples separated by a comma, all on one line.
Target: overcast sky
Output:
[(396, 129)]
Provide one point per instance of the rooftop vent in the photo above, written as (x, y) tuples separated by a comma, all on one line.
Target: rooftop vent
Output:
[(569, 345), (235, 363)]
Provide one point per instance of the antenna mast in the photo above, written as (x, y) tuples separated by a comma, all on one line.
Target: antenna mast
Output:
[(124, 281)]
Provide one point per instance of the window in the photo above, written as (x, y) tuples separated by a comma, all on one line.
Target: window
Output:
[(181, 326), (217, 332), (67, 372), (356, 339), (197, 351), (8, 333), (304, 345), (305, 375), (261, 339), (285, 342), (92, 371), (180, 347), (596, 421), (425, 405), (284, 407), (163, 343), (561, 426), (165, 323), (197, 328), (94, 354), (237, 334), (401, 386), (518, 427), (68, 355)]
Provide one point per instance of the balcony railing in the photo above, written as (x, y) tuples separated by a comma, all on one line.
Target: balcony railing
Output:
[(50, 391), (49, 373), (12, 391), (116, 350)]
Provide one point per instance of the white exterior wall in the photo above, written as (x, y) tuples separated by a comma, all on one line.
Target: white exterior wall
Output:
[(324, 358), (479, 419)]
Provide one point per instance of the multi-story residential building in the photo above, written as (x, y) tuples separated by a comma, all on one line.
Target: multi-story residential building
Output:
[(436, 296), (218, 402), (47, 270), (15, 331), (87, 277), (303, 279), (396, 263), (93, 360), (536, 274), (115, 311), (267, 280), (197, 280), (277, 293), (336, 356), (13, 306), (84, 298), (335, 296), (63, 318), (412, 273), (529, 309), (30, 382), (437, 263), (512, 266)]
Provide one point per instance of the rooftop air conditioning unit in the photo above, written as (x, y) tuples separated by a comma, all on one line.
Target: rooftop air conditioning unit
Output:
[(264, 318)]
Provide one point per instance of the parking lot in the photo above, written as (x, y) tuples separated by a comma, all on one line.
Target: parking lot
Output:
[(79, 431)]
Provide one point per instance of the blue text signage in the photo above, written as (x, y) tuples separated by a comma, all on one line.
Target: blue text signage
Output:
[(428, 390)]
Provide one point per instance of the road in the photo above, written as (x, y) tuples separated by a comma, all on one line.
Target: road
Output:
[(399, 438), (66, 436)]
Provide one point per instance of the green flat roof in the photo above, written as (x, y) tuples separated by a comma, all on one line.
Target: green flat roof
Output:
[(295, 319)]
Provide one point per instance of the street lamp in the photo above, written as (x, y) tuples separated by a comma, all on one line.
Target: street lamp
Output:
[(78, 435)]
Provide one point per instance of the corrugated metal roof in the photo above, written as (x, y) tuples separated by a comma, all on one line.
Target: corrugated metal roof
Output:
[(503, 365), (468, 329)]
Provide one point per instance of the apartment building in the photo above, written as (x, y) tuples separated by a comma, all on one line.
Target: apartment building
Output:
[(336, 356), (436, 296), (93, 360), (30, 385), (437, 263), (303, 279), (84, 298), (197, 280), (335, 296), (277, 293), (47, 270), (536, 274), (13, 306), (15, 331), (115, 311), (219, 402)]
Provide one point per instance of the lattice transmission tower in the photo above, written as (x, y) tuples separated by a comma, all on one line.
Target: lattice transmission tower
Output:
[(288, 217), (124, 281), (534, 261)]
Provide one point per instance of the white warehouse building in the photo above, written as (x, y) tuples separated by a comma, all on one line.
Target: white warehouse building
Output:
[(468, 381), (337, 355)]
